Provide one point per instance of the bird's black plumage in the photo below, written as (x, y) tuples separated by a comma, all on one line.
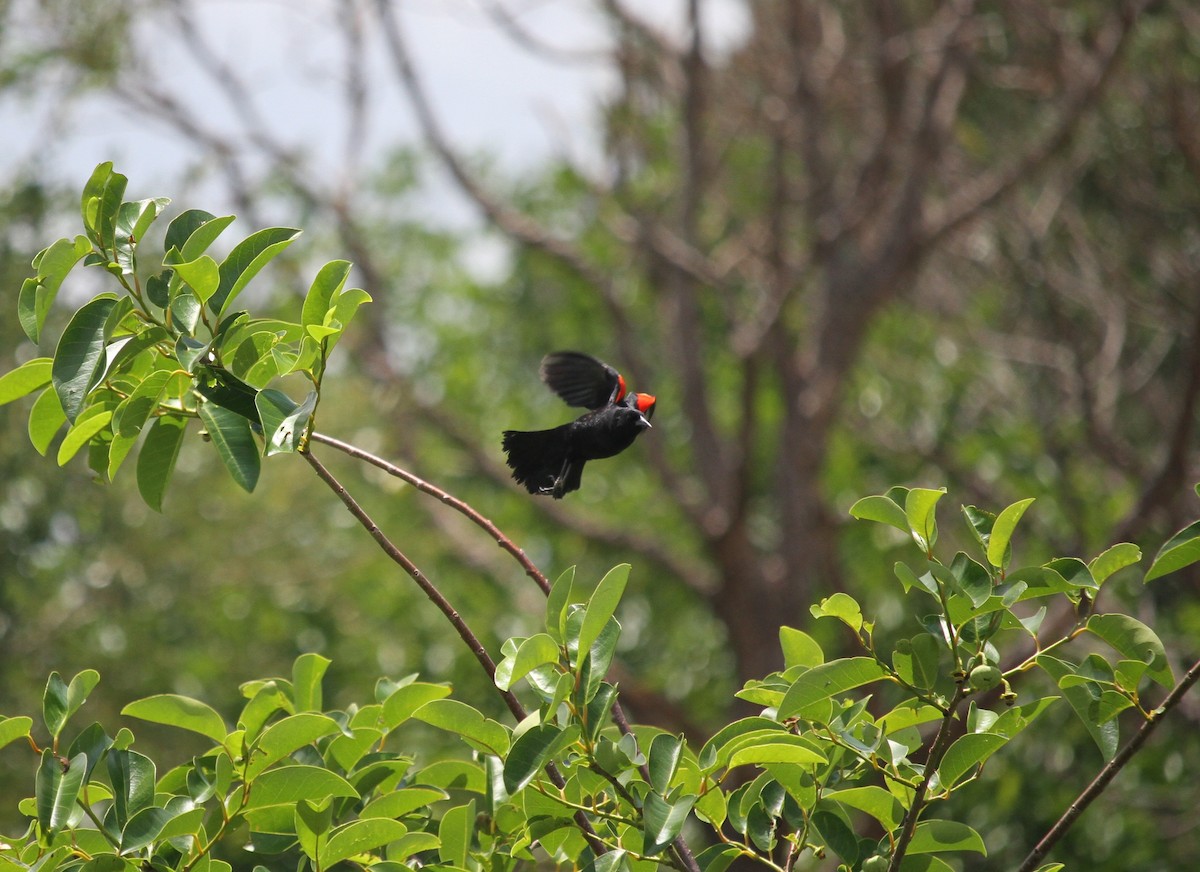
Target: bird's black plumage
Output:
[(582, 380), (550, 462)]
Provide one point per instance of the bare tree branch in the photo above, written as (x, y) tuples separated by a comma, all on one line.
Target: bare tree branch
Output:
[(1110, 771), (975, 196), (510, 25)]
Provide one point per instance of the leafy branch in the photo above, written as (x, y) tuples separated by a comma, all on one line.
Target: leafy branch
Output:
[(133, 370)]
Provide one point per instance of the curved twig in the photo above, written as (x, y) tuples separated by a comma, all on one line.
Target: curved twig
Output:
[(454, 502), (460, 626), (1110, 770)]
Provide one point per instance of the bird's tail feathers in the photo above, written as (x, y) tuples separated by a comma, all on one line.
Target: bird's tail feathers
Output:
[(537, 459)]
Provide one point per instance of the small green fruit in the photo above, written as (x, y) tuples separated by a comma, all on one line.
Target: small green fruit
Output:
[(875, 864), (984, 677)]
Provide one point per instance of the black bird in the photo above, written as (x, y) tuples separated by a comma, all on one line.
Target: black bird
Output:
[(550, 462)]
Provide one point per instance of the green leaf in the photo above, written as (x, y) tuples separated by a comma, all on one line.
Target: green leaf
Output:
[(602, 605), (1105, 734), (37, 294), (557, 602), (1182, 549), (60, 701), (358, 837), (244, 262), (874, 801), (12, 729), (837, 835), (1136, 641), (916, 660), (403, 801), (191, 353), (323, 291), (931, 837), (284, 422), (80, 354), (25, 379), (663, 760), (234, 440), (193, 231), (909, 580), (972, 578), (45, 419), (344, 310), (663, 820), (100, 202), (537, 650), (980, 523), (290, 784), (799, 648), (287, 735), (132, 222), (1074, 572), (135, 410), (55, 790), (463, 720), (54, 704), (595, 665), (614, 860), (132, 776), (1114, 559), (998, 551), (179, 711), (841, 606), (454, 831), (966, 753), (775, 748), (313, 818), (402, 702), (156, 461), (185, 310), (919, 511), (530, 752), (415, 842), (86, 426), (347, 751), (882, 510), (307, 672), (822, 682), (202, 275), (147, 825)]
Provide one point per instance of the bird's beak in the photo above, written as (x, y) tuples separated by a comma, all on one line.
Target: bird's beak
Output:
[(646, 422)]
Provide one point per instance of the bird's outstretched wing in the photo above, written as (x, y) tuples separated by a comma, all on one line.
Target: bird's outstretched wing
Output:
[(582, 380)]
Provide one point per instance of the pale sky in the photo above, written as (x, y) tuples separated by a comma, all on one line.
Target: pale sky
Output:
[(492, 95)]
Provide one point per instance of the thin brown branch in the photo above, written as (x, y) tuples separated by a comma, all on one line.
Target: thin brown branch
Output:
[(427, 587), (511, 26), (974, 197), (453, 502), (515, 224), (350, 21), (709, 450), (644, 32), (1109, 772), (937, 750), (460, 626), (695, 573), (1166, 483)]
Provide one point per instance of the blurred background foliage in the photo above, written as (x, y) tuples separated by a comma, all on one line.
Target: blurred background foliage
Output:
[(769, 243)]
